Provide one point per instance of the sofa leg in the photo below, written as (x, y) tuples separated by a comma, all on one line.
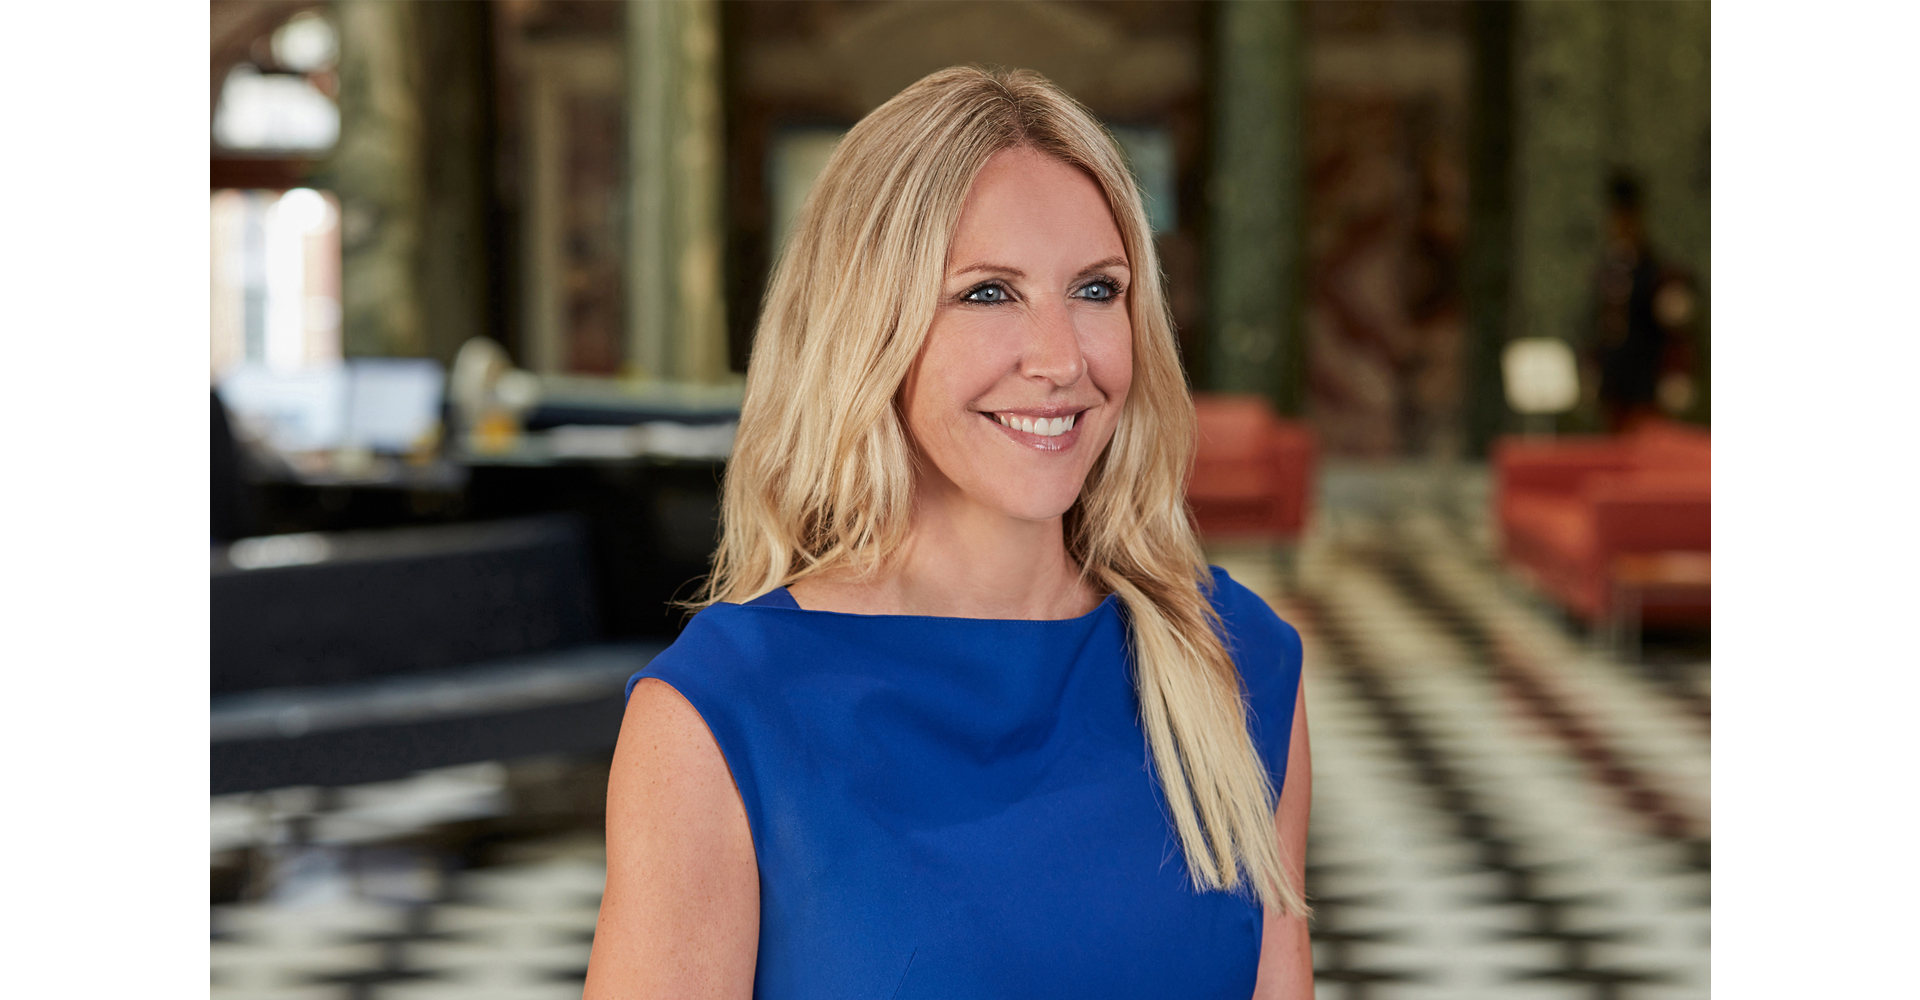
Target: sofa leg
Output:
[(1619, 627)]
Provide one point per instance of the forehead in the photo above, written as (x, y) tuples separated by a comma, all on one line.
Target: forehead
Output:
[(1026, 203)]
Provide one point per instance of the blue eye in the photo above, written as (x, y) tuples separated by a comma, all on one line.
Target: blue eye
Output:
[(986, 294), (1098, 291)]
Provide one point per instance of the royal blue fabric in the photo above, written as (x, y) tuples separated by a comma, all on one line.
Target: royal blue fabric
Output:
[(962, 807)]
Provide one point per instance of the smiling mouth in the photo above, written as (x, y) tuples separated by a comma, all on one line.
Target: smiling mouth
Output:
[(1056, 432), (1038, 426)]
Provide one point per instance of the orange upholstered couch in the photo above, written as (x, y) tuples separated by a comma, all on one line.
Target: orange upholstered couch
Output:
[(1576, 513), (1253, 472)]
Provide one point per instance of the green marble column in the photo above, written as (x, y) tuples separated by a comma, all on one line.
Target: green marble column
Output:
[(1561, 125), (1487, 267), (376, 171), (1599, 85), (412, 171), (1255, 241), (457, 167), (1663, 133), (677, 317)]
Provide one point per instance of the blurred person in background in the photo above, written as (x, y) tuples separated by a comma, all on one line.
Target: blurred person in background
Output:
[(1641, 349), (962, 680)]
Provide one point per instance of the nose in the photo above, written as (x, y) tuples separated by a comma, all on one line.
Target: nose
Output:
[(1053, 348)]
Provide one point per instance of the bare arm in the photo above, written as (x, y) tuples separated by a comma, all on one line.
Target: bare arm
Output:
[(1286, 953), (681, 915)]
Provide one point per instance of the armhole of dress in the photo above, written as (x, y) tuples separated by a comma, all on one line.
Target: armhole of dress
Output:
[(726, 738)]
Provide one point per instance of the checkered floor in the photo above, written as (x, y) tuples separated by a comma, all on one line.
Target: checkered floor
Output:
[(1501, 811)]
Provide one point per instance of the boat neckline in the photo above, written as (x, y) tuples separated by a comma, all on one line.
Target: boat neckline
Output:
[(1105, 602)]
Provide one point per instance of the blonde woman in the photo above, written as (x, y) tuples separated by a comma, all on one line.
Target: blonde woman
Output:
[(965, 713)]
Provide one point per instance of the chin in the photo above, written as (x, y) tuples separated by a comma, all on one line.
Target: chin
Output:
[(1039, 505)]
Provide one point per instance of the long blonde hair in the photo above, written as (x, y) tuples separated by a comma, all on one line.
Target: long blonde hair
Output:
[(821, 477)]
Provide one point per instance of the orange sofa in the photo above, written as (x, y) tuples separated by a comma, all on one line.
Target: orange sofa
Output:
[(1591, 518), (1252, 472)]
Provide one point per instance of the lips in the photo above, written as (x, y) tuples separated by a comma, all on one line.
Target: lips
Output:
[(1040, 426), (1040, 431)]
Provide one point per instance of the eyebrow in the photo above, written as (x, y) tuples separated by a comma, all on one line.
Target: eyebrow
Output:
[(1105, 265), (989, 267)]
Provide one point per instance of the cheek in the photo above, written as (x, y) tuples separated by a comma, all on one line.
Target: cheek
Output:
[(956, 366), (1109, 355)]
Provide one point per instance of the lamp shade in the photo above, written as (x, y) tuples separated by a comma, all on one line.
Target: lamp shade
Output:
[(1540, 375)]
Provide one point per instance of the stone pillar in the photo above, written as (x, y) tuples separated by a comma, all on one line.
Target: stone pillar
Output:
[(412, 171), (1599, 85), (1561, 125), (1255, 246), (376, 171), (457, 167), (1663, 133), (676, 316), (1487, 267)]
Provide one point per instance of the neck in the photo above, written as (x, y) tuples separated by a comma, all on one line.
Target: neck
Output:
[(963, 560)]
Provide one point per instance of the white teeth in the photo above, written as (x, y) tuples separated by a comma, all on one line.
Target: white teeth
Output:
[(1041, 427)]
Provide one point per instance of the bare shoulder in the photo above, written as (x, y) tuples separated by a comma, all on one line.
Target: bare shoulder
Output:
[(681, 913), (660, 729)]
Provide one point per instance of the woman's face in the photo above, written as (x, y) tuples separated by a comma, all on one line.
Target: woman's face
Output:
[(1019, 386)]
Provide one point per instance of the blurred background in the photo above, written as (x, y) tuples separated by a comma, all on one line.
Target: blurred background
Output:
[(484, 280)]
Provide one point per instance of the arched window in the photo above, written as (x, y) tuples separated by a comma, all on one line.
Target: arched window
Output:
[(275, 239)]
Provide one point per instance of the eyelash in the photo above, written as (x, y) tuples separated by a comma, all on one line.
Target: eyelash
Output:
[(1113, 291)]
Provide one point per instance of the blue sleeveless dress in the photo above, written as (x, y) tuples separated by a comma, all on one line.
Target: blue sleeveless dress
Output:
[(963, 807)]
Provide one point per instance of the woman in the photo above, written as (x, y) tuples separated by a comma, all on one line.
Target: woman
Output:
[(965, 714)]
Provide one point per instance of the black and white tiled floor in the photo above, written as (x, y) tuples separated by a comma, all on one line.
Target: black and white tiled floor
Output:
[(1501, 811), (373, 891)]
